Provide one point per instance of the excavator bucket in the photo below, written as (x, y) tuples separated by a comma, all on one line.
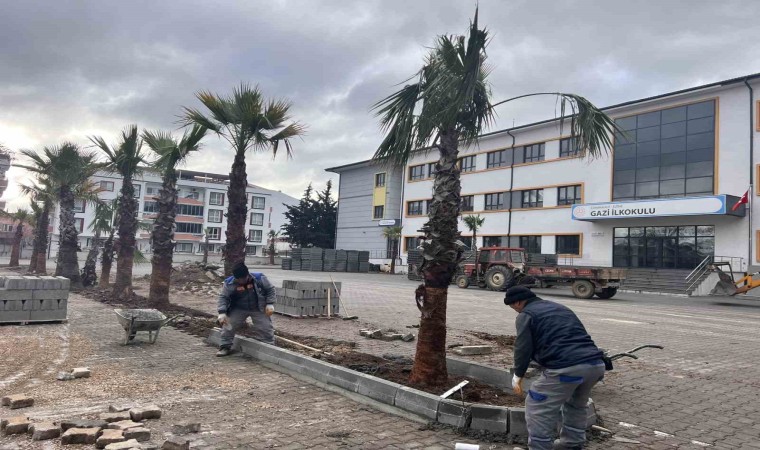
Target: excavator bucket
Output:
[(725, 286)]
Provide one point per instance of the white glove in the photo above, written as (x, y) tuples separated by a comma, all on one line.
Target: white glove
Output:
[(269, 310), (517, 384), (223, 319)]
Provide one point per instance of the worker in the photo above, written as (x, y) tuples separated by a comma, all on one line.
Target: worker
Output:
[(552, 335), (245, 294)]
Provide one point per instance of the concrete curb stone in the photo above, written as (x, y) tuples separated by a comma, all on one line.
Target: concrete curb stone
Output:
[(490, 418)]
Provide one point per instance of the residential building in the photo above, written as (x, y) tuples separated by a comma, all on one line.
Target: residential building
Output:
[(666, 196), (5, 164), (202, 206)]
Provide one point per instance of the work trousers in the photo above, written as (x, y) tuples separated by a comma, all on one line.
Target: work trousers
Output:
[(263, 330), (560, 396)]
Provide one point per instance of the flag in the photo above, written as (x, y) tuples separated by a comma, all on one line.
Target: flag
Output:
[(744, 199)]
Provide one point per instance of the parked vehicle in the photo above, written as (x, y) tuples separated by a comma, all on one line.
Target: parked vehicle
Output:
[(498, 268)]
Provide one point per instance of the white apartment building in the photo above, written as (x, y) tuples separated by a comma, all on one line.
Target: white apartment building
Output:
[(663, 197), (202, 205)]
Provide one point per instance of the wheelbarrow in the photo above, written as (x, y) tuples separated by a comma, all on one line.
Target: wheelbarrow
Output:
[(134, 320), (628, 354)]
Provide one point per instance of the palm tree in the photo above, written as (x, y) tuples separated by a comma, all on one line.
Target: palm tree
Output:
[(67, 169), (247, 122), (447, 104), (473, 223), (171, 153), (393, 234), (101, 224), (36, 217), (19, 218), (43, 197), (108, 246), (126, 160), (273, 236)]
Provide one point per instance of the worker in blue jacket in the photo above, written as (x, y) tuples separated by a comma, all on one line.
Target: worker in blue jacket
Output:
[(245, 294), (552, 335)]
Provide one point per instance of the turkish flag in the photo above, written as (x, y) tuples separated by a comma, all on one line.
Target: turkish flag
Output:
[(744, 199)]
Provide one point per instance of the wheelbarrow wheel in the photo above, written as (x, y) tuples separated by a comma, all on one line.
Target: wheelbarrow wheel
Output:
[(153, 336)]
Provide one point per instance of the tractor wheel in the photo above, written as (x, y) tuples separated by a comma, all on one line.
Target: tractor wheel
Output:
[(583, 289), (606, 293), (498, 277), (482, 284), (463, 282)]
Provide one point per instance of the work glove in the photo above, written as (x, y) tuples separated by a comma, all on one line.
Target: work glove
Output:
[(223, 319), (270, 310), (517, 385)]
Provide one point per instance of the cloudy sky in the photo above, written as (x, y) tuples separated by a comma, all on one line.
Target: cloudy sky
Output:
[(70, 69)]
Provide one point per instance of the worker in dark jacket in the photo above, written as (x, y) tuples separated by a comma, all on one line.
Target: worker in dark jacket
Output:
[(552, 335), (244, 295)]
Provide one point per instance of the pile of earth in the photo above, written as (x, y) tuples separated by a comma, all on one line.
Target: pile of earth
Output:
[(196, 276)]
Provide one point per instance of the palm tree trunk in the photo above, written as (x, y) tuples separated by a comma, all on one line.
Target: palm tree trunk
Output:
[(122, 288), (39, 264), (475, 250), (394, 255), (105, 270), (89, 272), (16, 249), (234, 249), (205, 250), (163, 247), (271, 250), (68, 265), (442, 255)]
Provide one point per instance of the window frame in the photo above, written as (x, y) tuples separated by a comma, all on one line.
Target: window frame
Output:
[(559, 237), (217, 231), (221, 215), (178, 249), (211, 198), (539, 198), (536, 238), (380, 179), (498, 206), (421, 208), (251, 222), (188, 224), (430, 170), (150, 202), (382, 212), (471, 203), (79, 223), (469, 167), (191, 208), (491, 164), (263, 202), (539, 147), (252, 233), (577, 195), (107, 183), (414, 176), (84, 206), (571, 150)]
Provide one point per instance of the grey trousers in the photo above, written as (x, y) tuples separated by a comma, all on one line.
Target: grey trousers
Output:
[(560, 396), (263, 330)]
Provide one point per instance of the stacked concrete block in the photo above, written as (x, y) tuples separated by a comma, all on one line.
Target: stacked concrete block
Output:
[(329, 260), (352, 263), (287, 264), (307, 298), (341, 259), (363, 262), (33, 299)]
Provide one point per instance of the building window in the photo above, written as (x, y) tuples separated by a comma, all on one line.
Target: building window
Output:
[(7, 227), (255, 235), (257, 219), (414, 208), (665, 153), (79, 224), (192, 228), (467, 203), (214, 233), (258, 202), (569, 147), (417, 172), (569, 245), (190, 210), (467, 164), (494, 201), (79, 205), (378, 212), (411, 243), (431, 170), (531, 244), (533, 198), (215, 215), (533, 153), (195, 195), (151, 190), (106, 186), (569, 195), (674, 247), (150, 207), (138, 190), (250, 249), (380, 179), (216, 198), (496, 159), (183, 247), (495, 241)]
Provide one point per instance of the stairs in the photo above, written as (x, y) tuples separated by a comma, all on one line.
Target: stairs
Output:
[(659, 281)]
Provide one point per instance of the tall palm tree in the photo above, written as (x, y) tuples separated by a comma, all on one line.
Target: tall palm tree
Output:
[(171, 153), (247, 122), (273, 237), (448, 103), (126, 158), (473, 223), (36, 217), (68, 169), (109, 245), (18, 218), (393, 234), (101, 224), (45, 195)]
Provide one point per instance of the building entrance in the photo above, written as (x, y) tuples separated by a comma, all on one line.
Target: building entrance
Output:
[(678, 247)]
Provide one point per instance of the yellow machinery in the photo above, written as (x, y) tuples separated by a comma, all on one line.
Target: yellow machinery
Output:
[(727, 285)]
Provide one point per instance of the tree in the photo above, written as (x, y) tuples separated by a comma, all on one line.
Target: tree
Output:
[(299, 219), (473, 223), (19, 218), (312, 222), (125, 159), (273, 236), (101, 224), (205, 246), (108, 247), (68, 170), (325, 218), (393, 234), (43, 195), (448, 103), (247, 122), (171, 153)]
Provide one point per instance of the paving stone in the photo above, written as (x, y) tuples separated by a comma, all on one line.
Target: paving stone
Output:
[(115, 416), (18, 401), (417, 402), (391, 337), (110, 437), (186, 427), (490, 418), (15, 425), (145, 412), (378, 389), (517, 426), (176, 443), (80, 436), (44, 431), (473, 350), (140, 434), (81, 372), (64, 376), (83, 423), (119, 408), (124, 425), (453, 413), (126, 445), (409, 337)]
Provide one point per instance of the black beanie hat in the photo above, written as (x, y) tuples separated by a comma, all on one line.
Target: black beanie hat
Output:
[(517, 293), (240, 270)]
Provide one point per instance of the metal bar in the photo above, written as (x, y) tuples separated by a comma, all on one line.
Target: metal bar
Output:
[(454, 389)]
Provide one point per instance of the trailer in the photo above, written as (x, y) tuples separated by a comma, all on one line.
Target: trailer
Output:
[(498, 268)]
